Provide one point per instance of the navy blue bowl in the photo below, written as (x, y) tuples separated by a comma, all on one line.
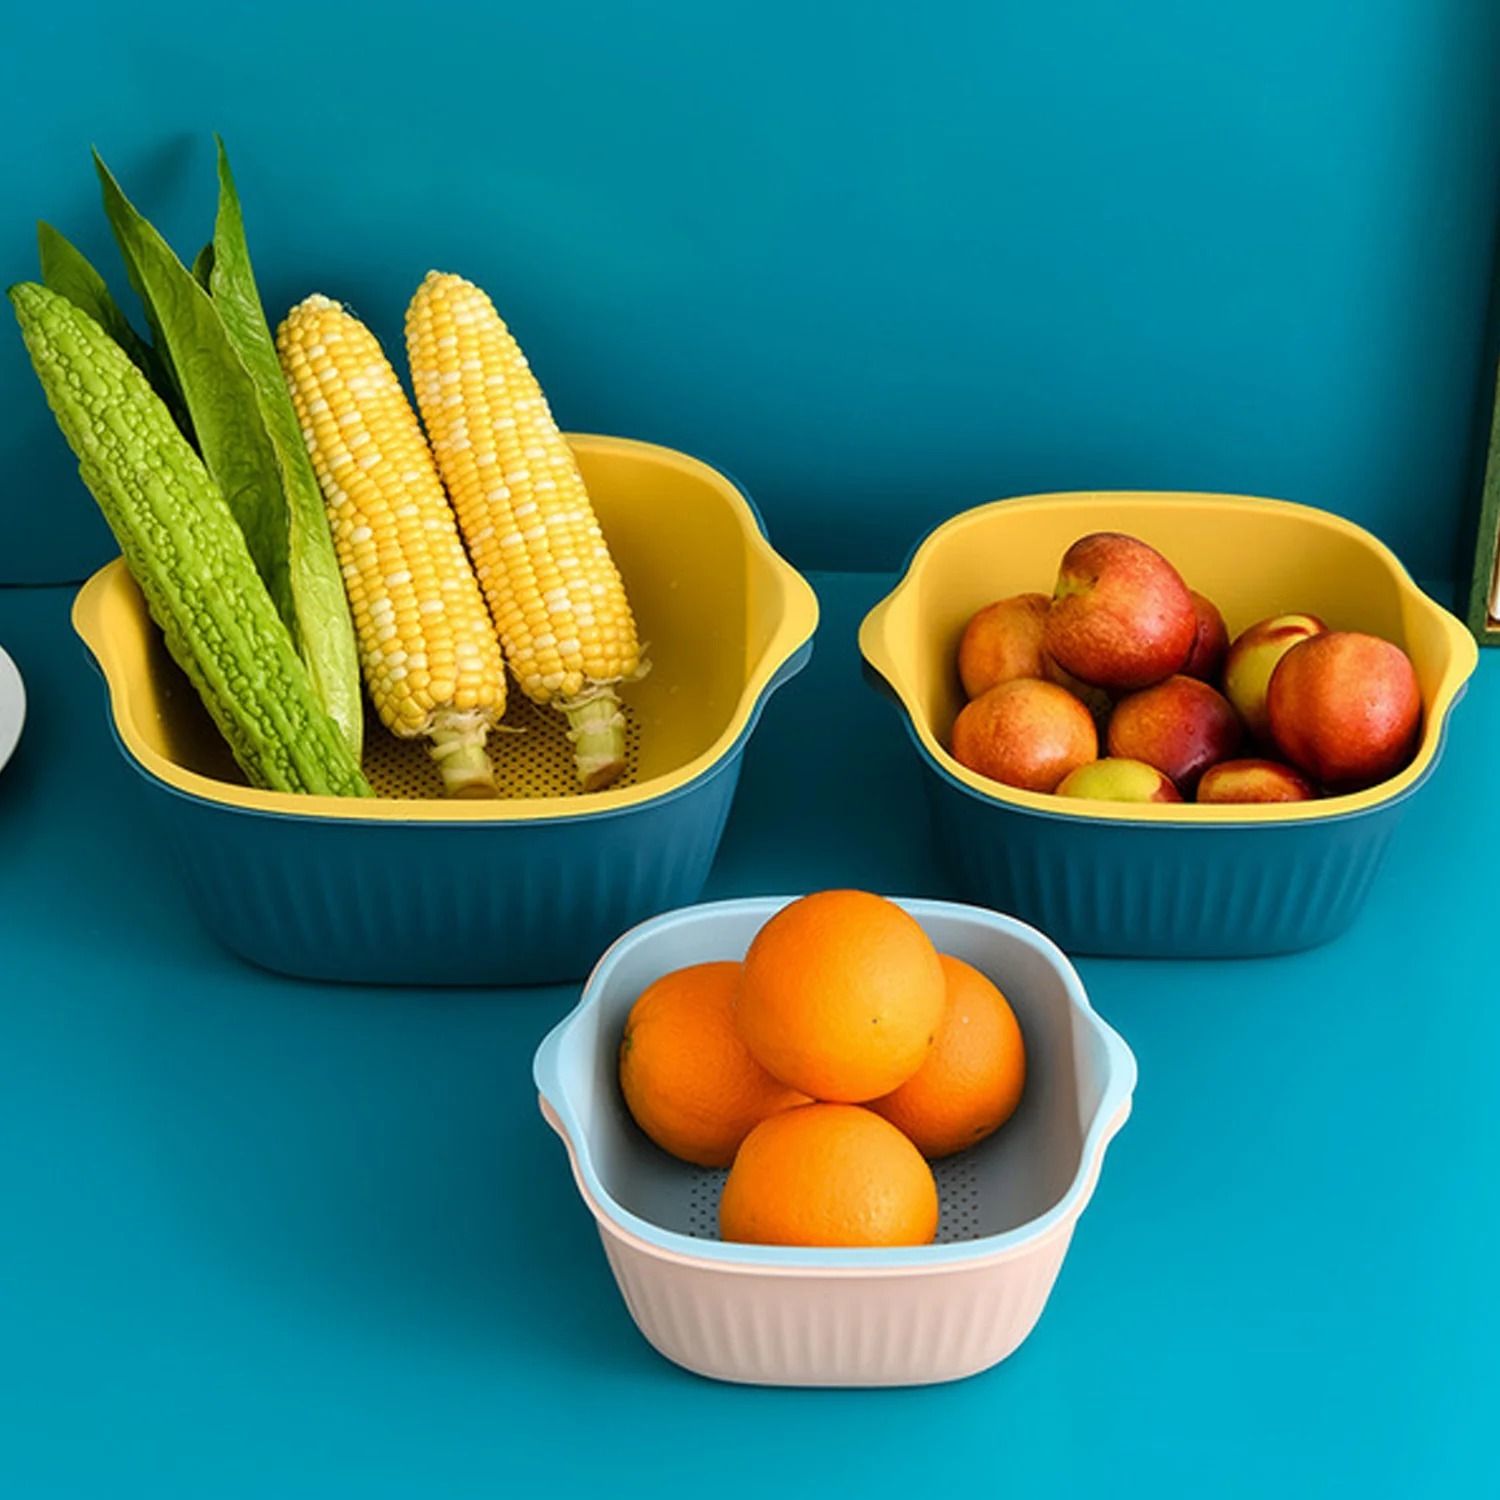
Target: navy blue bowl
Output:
[(407, 888), (1161, 890), (1161, 881), (440, 903)]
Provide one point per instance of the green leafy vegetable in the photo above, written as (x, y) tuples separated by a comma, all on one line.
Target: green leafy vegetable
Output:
[(69, 273), (324, 626), (216, 389), (203, 265)]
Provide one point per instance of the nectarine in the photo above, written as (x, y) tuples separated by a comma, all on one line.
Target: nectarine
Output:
[(1252, 658), (1025, 733), (1345, 707), (1210, 642), (1254, 781), (1121, 616), (1114, 779), (1002, 641), (1180, 726)]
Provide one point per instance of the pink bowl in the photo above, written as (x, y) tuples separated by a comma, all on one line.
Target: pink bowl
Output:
[(782, 1315)]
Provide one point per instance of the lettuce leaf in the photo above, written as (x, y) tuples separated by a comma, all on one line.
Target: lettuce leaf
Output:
[(216, 389), (67, 271), (203, 268), (324, 626)]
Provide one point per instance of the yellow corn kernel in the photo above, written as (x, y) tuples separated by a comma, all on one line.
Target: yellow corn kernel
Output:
[(552, 586), (427, 646)]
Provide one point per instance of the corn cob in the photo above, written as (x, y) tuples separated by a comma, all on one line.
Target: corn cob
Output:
[(431, 661), (553, 589), (186, 552)]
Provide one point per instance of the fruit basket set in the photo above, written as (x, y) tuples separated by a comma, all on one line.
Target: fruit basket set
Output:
[(789, 1315), (282, 505), (307, 546), (527, 888), (1161, 880)]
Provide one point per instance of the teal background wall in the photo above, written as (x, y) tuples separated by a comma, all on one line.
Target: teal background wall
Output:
[(880, 260)]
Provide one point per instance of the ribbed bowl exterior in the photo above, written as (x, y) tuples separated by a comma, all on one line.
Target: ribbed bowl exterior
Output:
[(529, 889), (764, 1328), (441, 903), (830, 1315), (1161, 881), (1158, 890)]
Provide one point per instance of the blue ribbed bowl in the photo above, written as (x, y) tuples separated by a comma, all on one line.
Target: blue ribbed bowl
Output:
[(1168, 880), (383, 902), (409, 888), (1161, 890)]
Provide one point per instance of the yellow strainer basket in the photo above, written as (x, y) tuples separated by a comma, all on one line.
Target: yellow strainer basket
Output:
[(407, 887)]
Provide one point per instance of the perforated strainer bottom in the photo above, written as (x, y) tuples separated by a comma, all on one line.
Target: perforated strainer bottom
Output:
[(535, 762), (958, 1200)]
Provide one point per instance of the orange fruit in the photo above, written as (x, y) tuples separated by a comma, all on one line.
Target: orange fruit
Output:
[(841, 996), (972, 1080), (688, 1079), (828, 1174)]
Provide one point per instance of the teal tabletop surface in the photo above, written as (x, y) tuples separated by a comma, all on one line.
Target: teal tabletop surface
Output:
[(269, 1238)]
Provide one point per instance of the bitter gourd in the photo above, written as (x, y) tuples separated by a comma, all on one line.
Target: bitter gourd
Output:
[(186, 552)]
